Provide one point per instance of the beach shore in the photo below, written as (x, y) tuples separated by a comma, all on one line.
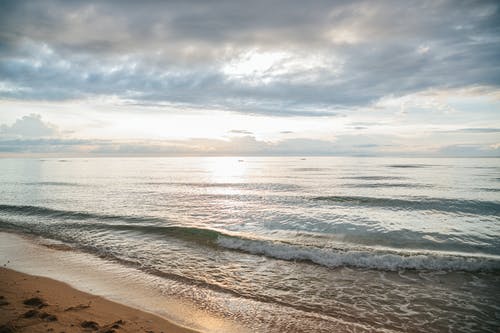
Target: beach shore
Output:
[(38, 304)]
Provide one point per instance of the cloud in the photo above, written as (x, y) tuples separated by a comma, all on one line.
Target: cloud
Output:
[(473, 130), (47, 146), (235, 131), (30, 126), (480, 130), (471, 150), (280, 58), (367, 145), (234, 146), (363, 123)]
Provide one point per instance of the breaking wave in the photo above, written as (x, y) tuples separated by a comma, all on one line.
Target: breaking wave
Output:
[(364, 257), (382, 260)]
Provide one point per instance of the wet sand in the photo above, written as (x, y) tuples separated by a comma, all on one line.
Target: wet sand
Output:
[(38, 304)]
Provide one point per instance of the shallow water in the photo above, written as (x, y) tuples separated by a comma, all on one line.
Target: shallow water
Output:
[(377, 244)]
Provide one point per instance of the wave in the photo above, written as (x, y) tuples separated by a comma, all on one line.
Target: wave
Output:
[(200, 235), (375, 177), (489, 189), (27, 210), (66, 222), (478, 207), (390, 260), (60, 220), (53, 184), (310, 169), (386, 185), (338, 232), (405, 166), (251, 186), (381, 260)]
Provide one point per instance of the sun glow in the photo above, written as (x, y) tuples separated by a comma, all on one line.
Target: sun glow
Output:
[(254, 63), (255, 67), (226, 169)]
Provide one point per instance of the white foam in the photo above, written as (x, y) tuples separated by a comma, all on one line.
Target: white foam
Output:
[(376, 259)]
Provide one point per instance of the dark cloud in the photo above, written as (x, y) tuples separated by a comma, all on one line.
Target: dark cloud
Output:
[(153, 52)]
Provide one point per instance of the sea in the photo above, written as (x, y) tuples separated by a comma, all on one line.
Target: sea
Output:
[(281, 244)]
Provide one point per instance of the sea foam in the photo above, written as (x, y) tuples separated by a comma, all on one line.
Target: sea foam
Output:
[(383, 260)]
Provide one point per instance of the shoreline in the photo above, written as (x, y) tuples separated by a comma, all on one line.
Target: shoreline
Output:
[(92, 277), (41, 304)]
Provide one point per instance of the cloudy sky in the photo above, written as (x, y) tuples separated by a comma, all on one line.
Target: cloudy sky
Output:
[(384, 78)]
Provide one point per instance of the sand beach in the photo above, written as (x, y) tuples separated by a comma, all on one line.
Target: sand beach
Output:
[(38, 304)]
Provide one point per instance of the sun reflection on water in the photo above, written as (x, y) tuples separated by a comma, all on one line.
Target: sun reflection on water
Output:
[(226, 169)]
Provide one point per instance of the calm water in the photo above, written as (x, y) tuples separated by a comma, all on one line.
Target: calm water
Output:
[(284, 244)]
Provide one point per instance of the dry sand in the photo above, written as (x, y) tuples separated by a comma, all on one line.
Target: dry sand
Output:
[(37, 304)]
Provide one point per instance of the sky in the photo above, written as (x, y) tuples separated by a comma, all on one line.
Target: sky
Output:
[(238, 77)]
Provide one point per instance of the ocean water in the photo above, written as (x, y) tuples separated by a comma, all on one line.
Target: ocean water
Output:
[(283, 244)]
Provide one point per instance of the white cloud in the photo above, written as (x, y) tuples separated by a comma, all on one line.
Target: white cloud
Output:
[(30, 126), (263, 67)]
